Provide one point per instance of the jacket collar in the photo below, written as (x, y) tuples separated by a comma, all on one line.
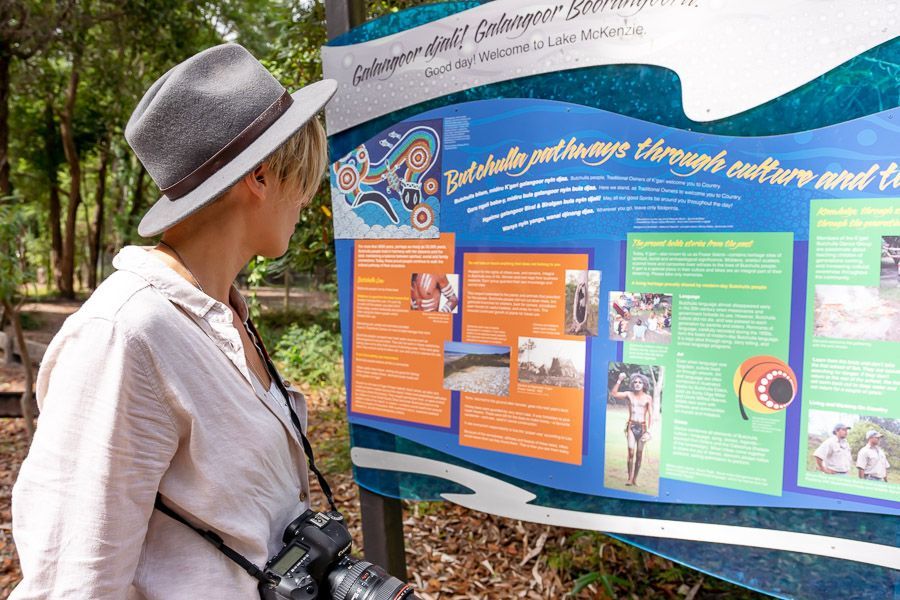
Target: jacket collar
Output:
[(138, 260)]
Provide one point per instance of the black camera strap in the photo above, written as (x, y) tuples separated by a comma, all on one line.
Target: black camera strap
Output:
[(212, 537)]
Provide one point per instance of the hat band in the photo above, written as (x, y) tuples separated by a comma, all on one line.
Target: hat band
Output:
[(228, 152)]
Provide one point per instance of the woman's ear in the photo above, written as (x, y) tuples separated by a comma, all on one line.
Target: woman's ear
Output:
[(258, 181)]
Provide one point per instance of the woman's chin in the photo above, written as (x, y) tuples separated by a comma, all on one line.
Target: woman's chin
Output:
[(273, 250)]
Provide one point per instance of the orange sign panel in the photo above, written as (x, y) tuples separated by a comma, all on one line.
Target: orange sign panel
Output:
[(399, 329), (519, 301)]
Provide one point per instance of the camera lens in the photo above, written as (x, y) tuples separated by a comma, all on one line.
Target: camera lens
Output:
[(361, 580)]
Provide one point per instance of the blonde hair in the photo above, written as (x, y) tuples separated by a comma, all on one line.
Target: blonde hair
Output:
[(301, 160)]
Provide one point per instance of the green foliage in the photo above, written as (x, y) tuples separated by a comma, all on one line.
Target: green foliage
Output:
[(256, 274), (425, 508), (273, 325), (111, 51), (14, 267), (29, 321), (308, 352), (311, 355), (608, 581), (890, 443), (380, 8)]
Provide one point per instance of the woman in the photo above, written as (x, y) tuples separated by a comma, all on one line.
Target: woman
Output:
[(640, 418), (155, 384)]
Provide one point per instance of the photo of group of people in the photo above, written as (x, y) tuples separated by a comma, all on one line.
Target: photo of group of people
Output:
[(558, 363), (582, 302), (478, 368), (855, 312), (633, 408), (848, 445), (640, 317), (434, 292)]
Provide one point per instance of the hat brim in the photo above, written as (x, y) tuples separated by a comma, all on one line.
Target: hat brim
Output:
[(307, 102)]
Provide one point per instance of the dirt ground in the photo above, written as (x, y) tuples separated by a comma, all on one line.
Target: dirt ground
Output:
[(13, 447)]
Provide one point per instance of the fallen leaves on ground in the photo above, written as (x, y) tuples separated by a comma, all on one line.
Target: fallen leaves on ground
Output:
[(13, 447)]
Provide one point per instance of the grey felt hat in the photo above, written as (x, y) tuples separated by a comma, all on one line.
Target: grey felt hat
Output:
[(208, 122)]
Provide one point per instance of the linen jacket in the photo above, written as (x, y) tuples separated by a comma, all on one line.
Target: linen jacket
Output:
[(146, 388)]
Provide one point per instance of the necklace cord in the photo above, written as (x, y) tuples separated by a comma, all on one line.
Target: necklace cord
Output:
[(183, 264)]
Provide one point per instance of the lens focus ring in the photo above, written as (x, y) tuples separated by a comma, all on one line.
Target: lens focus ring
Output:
[(379, 585), (349, 579)]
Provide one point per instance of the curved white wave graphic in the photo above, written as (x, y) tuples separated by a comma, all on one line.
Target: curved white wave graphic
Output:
[(730, 55), (498, 497)]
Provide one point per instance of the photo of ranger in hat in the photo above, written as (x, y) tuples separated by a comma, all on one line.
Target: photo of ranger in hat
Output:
[(833, 456), (871, 460)]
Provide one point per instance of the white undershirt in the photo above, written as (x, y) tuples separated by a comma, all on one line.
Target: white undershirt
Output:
[(275, 395)]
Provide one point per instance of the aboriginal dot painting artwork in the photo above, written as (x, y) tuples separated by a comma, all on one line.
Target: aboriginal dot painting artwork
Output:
[(389, 187)]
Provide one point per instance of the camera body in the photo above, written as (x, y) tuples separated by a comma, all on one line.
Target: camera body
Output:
[(313, 543), (315, 563)]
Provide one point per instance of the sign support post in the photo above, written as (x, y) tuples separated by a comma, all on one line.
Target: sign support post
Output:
[(343, 15), (382, 525)]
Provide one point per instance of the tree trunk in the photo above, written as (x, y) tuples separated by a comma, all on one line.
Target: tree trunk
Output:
[(287, 289), (27, 413), (97, 237), (137, 204), (54, 207), (54, 213), (67, 262), (5, 59)]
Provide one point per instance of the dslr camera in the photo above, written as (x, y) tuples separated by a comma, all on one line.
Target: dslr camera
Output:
[(315, 563)]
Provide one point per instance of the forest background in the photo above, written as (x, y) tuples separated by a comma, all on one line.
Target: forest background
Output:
[(72, 192)]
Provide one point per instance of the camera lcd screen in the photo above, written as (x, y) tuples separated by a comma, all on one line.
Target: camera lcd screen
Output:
[(290, 558)]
